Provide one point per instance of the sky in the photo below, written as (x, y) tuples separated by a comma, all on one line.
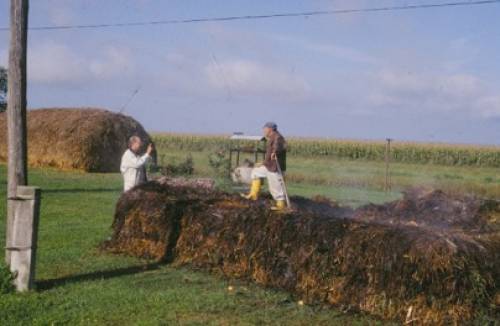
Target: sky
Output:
[(421, 75)]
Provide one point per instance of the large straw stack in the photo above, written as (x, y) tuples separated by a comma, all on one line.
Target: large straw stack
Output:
[(91, 140), (430, 259)]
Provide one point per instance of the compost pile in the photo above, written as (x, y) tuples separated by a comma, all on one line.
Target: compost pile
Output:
[(92, 140), (426, 259)]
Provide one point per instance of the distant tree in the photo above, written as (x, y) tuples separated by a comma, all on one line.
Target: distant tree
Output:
[(3, 89)]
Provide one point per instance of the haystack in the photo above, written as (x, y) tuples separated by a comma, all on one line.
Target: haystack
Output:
[(87, 139), (426, 259)]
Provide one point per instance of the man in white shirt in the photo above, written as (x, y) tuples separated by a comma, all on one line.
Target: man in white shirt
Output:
[(133, 165)]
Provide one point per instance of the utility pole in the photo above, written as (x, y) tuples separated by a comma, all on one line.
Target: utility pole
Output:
[(16, 109), (387, 165)]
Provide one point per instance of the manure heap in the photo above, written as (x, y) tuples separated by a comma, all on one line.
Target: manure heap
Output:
[(428, 258)]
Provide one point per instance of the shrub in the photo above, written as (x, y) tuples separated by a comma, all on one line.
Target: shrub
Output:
[(3, 89), (6, 278), (219, 163), (183, 168)]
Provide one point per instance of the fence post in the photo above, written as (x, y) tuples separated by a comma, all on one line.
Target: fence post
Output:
[(22, 244), (387, 165)]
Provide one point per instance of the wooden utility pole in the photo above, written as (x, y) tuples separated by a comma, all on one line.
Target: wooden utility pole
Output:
[(16, 108), (387, 165)]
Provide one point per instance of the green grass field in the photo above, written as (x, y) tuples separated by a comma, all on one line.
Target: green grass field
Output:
[(353, 172), (78, 284), (356, 183)]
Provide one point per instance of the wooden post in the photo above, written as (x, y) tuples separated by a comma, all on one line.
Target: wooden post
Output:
[(387, 165), (24, 235), (16, 107)]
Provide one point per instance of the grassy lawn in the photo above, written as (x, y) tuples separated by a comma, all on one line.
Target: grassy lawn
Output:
[(77, 284)]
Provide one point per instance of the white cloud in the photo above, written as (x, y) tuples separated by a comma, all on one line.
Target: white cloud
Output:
[(488, 106), (334, 50), (51, 62), (252, 78), (113, 62), (344, 53), (458, 93), (458, 85), (244, 39), (61, 14)]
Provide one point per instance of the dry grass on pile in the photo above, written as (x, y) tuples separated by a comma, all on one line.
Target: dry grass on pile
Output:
[(426, 259), (87, 139)]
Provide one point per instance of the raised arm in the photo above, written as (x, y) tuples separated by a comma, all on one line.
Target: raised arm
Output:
[(130, 161)]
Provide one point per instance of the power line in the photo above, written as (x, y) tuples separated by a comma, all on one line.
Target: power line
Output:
[(129, 100), (266, 16)]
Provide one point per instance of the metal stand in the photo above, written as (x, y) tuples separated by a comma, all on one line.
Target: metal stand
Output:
[(387, 185)]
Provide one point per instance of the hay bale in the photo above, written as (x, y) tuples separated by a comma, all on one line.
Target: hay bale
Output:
[(92, 140), (388, 260)]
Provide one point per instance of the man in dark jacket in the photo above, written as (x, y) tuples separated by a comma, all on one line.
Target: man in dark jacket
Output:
[(275, 154)]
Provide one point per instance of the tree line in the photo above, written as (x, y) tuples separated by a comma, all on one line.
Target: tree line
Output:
[(3, 89)]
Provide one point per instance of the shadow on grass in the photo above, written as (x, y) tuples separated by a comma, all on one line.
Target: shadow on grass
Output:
[(98, 275), (76, 190)]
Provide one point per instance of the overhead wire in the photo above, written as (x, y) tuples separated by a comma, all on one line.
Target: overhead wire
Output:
[(263, 16)]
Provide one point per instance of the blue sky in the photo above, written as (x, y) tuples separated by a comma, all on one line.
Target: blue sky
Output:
[(425, 75)]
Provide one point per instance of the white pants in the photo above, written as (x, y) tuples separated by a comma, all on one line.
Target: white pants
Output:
[(274, 180)]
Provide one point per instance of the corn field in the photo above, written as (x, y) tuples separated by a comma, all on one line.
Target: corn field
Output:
[(403, 152)]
